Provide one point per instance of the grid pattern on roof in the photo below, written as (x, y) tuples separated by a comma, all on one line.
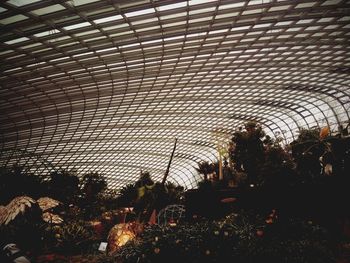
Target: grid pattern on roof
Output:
[(99, 85)]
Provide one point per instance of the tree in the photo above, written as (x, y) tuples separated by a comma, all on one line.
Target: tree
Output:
[(92, 185), (64, 186), (247, 150)]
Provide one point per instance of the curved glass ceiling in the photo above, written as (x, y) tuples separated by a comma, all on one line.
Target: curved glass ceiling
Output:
[(93, 86)]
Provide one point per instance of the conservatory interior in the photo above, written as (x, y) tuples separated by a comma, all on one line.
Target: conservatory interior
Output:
[(151, 131)]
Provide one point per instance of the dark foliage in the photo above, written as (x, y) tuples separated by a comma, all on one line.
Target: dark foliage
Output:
[(248, 150), (207, 168), (238, 238), (16, 182), (306, 151), (313, 153), (93, 199), (24, 230), (157, 197), (74, 237), (64, 186), (127, 195), (92, 185), (145, 196)]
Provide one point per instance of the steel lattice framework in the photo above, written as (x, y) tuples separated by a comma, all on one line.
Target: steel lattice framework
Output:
[(106, 85)]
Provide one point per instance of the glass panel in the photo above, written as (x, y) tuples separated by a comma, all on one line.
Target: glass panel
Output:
[(48, 10), (12, 19)]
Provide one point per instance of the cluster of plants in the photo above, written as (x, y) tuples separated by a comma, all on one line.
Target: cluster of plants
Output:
[(87, 208), (32, 234), (242, 237), (81, 201), (252, 237), (89, 193), (85, 258), (256, 158), (145, 195), (307, 178)]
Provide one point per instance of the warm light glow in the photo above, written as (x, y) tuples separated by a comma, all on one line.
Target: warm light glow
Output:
[(124, 238), (119, 235)]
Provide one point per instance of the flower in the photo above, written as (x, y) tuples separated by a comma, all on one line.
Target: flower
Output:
[(269, 221)]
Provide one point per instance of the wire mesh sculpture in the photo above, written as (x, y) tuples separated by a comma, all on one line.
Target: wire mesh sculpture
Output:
[(171, 214)]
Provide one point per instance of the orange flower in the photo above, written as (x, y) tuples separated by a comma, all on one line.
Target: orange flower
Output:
[(324, 132), (269, 221)]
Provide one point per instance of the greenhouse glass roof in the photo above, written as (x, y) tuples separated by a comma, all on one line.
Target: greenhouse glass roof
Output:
[(104, 85)]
